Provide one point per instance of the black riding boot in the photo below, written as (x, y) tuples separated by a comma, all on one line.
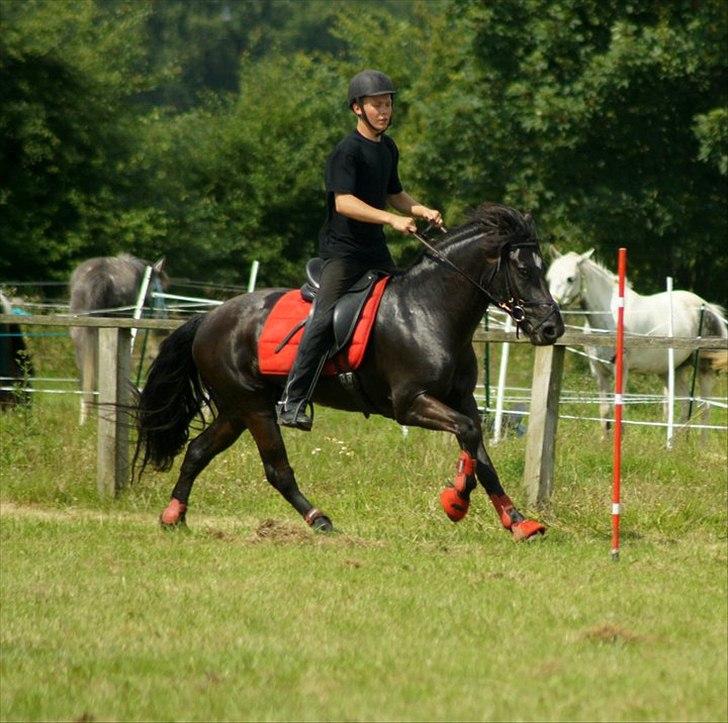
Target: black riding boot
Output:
[(337, 277), (291, 410)]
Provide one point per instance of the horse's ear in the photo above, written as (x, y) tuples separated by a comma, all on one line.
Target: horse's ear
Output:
[(554, 253), (586, 255), (159, 264)]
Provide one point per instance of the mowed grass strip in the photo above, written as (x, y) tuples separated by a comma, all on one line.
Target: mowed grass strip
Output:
[(401, 616), (109, 618)]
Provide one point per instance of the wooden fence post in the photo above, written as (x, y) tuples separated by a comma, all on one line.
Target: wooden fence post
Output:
[(113, 421), (538, 475)]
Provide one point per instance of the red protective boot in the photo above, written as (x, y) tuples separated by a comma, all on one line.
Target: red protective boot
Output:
[(174, 514), (454, 500), (512, 519)]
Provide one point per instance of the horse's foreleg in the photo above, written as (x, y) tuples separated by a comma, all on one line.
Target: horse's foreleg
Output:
[(430, 413), (278, 471), (426, 411), (86, 343), (520, 527), (201, 450)]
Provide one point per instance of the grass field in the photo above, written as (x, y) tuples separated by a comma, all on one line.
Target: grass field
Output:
[(402, 615)]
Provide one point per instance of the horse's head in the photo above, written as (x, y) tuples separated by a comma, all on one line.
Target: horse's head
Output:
[(517, 281), (159, 273), (565, 276)]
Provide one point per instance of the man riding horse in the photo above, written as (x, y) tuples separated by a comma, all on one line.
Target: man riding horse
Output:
[(361, 180)]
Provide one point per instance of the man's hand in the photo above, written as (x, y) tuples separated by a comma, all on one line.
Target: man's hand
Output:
[(403, 224), (428, 214)]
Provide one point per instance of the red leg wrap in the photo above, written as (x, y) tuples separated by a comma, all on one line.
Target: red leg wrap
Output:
[(174, 513), (312, 515), (521, 530), (503, 506), (454, 499), (465, 468), (527, 528), (454, 505)]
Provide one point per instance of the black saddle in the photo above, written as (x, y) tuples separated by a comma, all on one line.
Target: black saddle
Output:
[(348, 307)]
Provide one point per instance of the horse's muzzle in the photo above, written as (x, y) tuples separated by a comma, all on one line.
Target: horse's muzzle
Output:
[(546, 330)]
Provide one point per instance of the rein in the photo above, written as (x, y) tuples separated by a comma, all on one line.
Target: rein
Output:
[(512, 307)]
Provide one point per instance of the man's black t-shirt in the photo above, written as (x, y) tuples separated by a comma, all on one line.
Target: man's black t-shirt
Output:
[(368, 170)]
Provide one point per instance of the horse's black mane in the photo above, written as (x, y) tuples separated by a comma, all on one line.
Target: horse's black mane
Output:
[(502, 223), (496, 222)]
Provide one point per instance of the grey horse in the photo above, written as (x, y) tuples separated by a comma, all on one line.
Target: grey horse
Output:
[(106, 286)]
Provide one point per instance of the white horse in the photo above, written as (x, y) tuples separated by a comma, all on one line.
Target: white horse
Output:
[(577, 281)]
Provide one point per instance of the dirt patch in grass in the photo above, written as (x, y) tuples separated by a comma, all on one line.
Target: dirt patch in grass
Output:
[(608, 633), (285, 532), (278, 531), (221, 535)]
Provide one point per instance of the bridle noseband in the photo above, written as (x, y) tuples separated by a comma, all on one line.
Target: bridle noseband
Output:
[(514, 306)]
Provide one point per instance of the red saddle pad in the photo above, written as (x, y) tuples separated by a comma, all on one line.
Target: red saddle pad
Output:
[(289, 310)]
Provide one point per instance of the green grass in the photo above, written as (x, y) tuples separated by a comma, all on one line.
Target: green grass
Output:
[(401, 616)]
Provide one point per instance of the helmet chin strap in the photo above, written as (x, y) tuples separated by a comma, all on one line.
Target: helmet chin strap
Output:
[(363, 115)]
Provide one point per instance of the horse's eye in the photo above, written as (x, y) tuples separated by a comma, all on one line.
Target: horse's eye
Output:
[(570, 279)]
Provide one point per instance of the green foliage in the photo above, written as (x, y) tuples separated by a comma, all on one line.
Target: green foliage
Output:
[(69, 187), (587, 113), (711, 130), (200, 129), (243, 180)]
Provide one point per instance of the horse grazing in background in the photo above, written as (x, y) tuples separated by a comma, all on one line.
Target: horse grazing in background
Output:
[(101, 287), (576, 280), (419, 367), (15, 361)]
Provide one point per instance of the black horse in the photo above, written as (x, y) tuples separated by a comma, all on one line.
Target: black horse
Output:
[(420, 367)]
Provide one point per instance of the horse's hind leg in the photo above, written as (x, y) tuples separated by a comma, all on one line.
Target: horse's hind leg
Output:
[(223, 431), (707, 382), (605, 384), (278, 471)]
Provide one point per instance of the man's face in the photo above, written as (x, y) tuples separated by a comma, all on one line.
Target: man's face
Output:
[(378, 109)]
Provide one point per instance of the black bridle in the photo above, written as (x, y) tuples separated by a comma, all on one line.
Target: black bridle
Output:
[(514, 305)]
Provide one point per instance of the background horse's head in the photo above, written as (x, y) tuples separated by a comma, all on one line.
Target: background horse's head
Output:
[(107, 283), (518, 281), (565, 276)]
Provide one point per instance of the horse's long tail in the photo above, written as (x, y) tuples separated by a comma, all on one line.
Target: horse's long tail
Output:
[(172, 396), (714, 324)]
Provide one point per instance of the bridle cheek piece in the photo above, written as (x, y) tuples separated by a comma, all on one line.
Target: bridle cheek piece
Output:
[(514, 305)]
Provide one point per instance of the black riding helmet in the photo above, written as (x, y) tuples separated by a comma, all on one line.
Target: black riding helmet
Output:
[(369, 82)]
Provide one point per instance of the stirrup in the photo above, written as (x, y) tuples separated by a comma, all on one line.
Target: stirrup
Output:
[(294, 414)]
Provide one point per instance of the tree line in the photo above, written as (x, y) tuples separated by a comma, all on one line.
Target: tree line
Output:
[(199, 129)]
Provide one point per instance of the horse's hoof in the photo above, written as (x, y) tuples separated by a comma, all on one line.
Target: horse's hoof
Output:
[(322, 524), (173, 516), (453, 504), (318, 521), (526, 530)]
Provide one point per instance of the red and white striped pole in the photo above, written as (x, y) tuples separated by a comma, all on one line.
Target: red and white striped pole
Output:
[(618, 402)]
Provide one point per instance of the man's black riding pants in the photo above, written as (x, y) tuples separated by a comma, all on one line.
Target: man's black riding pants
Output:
[(337, 277)]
